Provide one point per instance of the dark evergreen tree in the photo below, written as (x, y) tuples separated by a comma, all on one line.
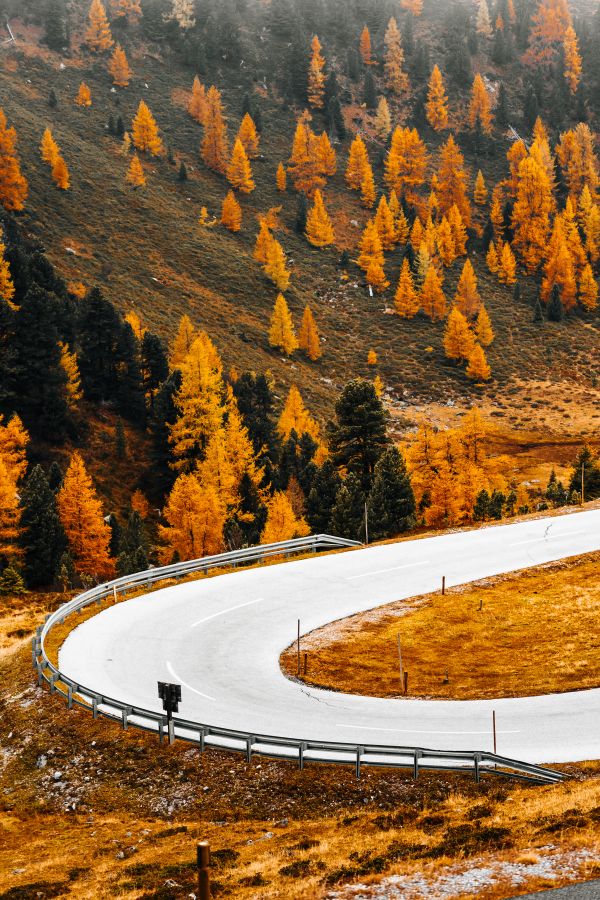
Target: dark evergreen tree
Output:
[(120, 442), (111, 125), (182, 175), (555, 311), (353, 64), (538, 314), (155, 363), (370, 92), (587, 461), (517, 292), (301, 213), (8, 360), (52, 99), (131, 401), (42, 538), (335, 119), (114, 546), (501, 111), (497, 501), (99, 333), (481, 510), (55, 477), (256, 405), (246, 527), (531, 108), (258, 119), (246, 109), (164, 413), (358, 436), (322, 496), (348, 513), (119, 127), (391, 502), (55, 29)]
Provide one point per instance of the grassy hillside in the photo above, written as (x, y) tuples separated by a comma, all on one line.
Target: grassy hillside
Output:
[(147, 252)]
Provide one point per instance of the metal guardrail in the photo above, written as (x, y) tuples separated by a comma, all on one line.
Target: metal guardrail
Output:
[(477, 762)]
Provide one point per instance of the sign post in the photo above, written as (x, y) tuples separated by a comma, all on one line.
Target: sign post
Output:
[(170, 694)]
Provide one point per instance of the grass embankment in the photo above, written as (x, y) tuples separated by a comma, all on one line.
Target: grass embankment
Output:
[(531, 632)]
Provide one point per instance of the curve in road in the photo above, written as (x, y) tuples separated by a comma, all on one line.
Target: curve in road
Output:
[(221, 638)]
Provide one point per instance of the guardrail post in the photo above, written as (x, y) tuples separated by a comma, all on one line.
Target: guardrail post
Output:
[(417, 756), (477, 760), (171, 730), (53, 679), (95, 707), (40, 673), (359, 752), (69, 697), (125, 717), (249, 742), (161, 729), (203, 862), (201, 740), (301, 749)]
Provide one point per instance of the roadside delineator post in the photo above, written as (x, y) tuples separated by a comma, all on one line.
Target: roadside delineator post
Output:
[(203, 862), (443, 584)]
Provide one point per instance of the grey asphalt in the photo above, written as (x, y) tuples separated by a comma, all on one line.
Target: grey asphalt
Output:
[(588, 890)]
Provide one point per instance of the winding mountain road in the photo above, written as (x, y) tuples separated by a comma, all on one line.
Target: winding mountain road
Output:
[(221, 637)]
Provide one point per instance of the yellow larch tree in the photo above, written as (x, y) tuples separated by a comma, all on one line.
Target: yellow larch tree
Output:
[(384, 222), (412, 6), (305, 165), (49, 149), (319, 230), (275, 267), (483, 23), (572, 59), (84, 95), (249, 136), (98, 36), (144, 131), (183, 341), (358, 163), (231, 213), (295, 417), (134, 321), (326, 155), (452, 180), (531, 213), (588, 289), (214, 148), (375, 275), (370, 247), (13, 184), (135, 173), (118, 67), (281, 331), (195, 520), (368, 192), (364, 47), (433, 300), (80, 511), (483, 327), (281, 178), (559, 269), (282, 524), (437, 101), (491, 258), (577, 157), (383, 119), (467, 299), (264, 239), (316, 75), (515, 155), (13, 464), (131, 9), (406, 299), (479, 107), (7, 287), (406, 162), (459, 231), (14, 440), (445, 244), (478, 368), (197, 104), (459, 341), (239, 171), (416, 234), (68, 362), (60, 174), (396, 79), (507, 265), (372, 358), (308, 335), (480, 191)]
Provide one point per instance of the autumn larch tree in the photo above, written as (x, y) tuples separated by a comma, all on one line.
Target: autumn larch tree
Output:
[(239, 172), (248, 135), (13, 184), (483, 327), (282, 522), (367, 188), (68, 361), (491, 258), (383, 119), (231, 213), (145, 132), (406, 299), (396, 79), (214, 148), (281, 178), (84, 95), (549, 25), (7, 287), (60, 173), (572, 59), (467, 297), (326, 155), (49, 149), (433, 300), (319, 230), (507, 265), (370, 247), (197, 104), (295, 417), (195, 519), (135, 173), (364, 47), (80, 511), (275, 267), (459, 341), (384, 222), (358, 161), (118, 67), (478, 368), (305, 163), (452, 180), (182, 344), (98, 36), (412, 6), (406, 163), (588, 289), (437, 102), (264, 239), (578, 160), (281, 332), (375, 275), (480, 191), (483, 23), (308, 335), (316, 76), (130, 9), (559, 269), (531, 212), (445, 243), (479, 108)]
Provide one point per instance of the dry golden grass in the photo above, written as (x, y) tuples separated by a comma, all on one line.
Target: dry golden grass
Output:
[(532, 632)]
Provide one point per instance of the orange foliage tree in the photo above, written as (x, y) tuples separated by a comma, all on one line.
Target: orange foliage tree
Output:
[(406, 162), (364, 46), (358, 162), (406, 299), (197, 104), (231, 213), (281, 332), (396, 79), (214, 148), (305, 165), (459, 341), (195, 518), (308, 335), (13, 184), (84, 95), (531, 212), (275, 266), (467, 297), (248, 135), (144, 132), (60, 174), (479, 108), (319, 230), (118, 67), (433, 301), (437, 102), (135, 173), (98, 36), (452, 178), (316, 75), (239, 172), (81, 516)]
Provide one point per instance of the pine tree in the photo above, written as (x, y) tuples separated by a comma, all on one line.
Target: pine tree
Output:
[(42, 538), (483, 327), (195, 520), (480, 193), (348, 512), (479, 109), (118, 67), (231, 213), (358, 162), (49, 149), (459, 341), (391, 503), (588, 289), (358, 436), (467, 297), (281, 178), (319, 230), (478, 368), (281, 332), (60, 174), (81, 517), (13, 185), (406, 299), (308, 335), (197, 104), (316, 77), (321, 498), (145, 132), (239, 172), (437, 102), (55, 26), (282, 524), (433, 301), (396, 79), (135, 173), (98, 36), (275, 267), (214, 148), (248, 135), (11, 582), (364, 47)]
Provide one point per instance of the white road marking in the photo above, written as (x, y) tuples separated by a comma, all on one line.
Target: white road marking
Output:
[(550, 537), (179, 680), (225, 611), (423, 562), (420, 731)]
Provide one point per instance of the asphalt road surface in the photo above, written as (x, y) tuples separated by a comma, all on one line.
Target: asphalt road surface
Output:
[(589, 890)]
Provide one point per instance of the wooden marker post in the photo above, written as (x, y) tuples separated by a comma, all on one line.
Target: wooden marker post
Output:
[(443, 585), (203, 862)]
